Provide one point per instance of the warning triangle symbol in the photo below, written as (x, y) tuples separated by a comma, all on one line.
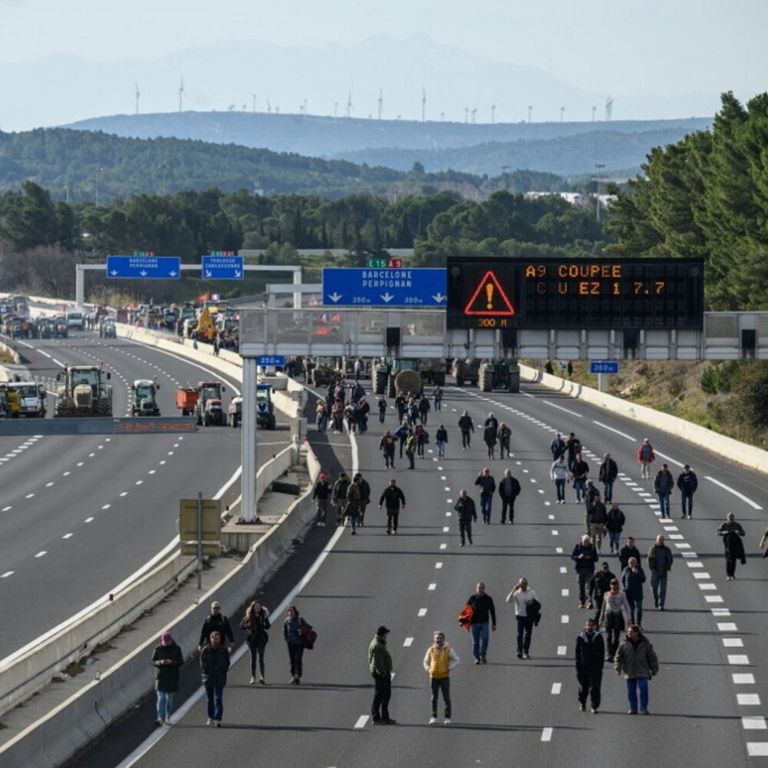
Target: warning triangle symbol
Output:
[(489, 299)]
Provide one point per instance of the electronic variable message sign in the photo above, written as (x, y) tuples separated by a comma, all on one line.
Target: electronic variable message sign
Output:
[(575, 293)]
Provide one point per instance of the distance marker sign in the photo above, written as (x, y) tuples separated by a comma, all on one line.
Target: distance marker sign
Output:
[(585, 294)]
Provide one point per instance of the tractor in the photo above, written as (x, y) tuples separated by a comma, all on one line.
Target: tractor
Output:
[(203, 401), (84, 391), (465, 371), (144, 398), (499, 374), (265, 409)]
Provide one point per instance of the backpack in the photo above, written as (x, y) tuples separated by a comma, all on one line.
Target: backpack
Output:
[(308, 635)]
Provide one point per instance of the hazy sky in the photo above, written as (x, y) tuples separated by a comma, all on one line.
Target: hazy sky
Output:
[(665, 47)]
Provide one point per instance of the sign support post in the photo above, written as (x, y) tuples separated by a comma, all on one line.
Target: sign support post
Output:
[(199, 540)]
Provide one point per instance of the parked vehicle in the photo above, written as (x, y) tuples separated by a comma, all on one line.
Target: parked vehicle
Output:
[(144, 398), (205, 402), (32, 398), (84, 391), (75, 321)]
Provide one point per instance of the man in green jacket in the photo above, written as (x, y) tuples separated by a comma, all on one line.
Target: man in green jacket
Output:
[(638, 662), (380, 664)]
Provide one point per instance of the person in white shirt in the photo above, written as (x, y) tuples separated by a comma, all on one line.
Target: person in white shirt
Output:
[(527, 607)]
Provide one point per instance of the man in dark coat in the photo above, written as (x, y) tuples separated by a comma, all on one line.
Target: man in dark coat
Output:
[(214, 665), (590, 656), (687, 482), (392, 498), (216, 622), (732, 532), (509, 490), (487, 487), (663, 485), (607, 475), (584, 557), (467, 426), (167, 660), (465, 513), (380, 666)]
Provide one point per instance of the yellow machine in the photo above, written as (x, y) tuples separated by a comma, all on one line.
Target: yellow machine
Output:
[(206, 328), (10, 401)]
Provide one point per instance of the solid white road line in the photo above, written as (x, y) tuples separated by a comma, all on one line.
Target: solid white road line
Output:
[(738, 495), (616, 431)]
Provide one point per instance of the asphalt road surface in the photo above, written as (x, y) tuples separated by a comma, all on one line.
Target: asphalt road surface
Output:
[(80, 514), (706, 703)]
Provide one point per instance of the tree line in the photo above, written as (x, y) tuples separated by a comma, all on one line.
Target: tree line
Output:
[(37, 232), (706, 196)]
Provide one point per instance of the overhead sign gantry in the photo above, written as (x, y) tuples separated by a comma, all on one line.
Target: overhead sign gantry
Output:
[(585, 294)]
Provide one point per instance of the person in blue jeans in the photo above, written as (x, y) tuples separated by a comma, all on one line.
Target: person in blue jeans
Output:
[(441, 438), (580, 473), (487, 487), (483, 620), (637, 661), (663, 485), (687, 482), (167, 660), (214, 665)]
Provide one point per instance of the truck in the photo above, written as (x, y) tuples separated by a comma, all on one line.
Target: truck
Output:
[(265, 408), (83, 391), (32, 398), (499, 373), (465, 370), (144, 398), (203, 401)]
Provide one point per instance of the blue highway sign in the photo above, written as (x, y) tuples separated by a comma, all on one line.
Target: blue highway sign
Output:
[(387, 287), (222, 267), (604, 366), (267, 360), (144, 267)]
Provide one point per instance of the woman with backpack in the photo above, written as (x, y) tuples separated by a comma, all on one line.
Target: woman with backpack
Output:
[(298, 636)]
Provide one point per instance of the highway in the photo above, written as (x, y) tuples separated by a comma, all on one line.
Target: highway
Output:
[(80, 514), (706, 703)]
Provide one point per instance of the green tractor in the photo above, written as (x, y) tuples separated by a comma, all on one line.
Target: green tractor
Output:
[(499, 374), (144, 398)]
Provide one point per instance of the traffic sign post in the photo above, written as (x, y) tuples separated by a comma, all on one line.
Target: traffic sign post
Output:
[(144, 266), (388, 287), (276, 361), (222, 265), (604, 366)]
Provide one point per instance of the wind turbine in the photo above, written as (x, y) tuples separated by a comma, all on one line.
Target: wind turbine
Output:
[(608, 109), (381, 102), (349, 103), (493, 114), (530, 109), (562, 113), (423, 104), (138, 93), (181, 93)]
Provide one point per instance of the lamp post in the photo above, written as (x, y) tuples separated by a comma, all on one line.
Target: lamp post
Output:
[(597, 192)]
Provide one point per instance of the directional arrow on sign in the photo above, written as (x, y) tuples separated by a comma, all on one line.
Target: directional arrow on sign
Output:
[(208, 273), (143, 273), (439, 298), (334, 297), (114, 272), (238, 273), (387, 297), (173, 273)]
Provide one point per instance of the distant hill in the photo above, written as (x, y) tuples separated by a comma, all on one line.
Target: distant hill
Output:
[(561, 148), (87, 165)]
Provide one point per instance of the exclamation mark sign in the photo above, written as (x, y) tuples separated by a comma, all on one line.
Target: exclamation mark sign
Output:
[(489, 295)]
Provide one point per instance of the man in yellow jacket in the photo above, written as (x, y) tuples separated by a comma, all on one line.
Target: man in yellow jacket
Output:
[(439, 660)]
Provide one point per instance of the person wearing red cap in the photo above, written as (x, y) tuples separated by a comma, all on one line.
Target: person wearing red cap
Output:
[(167, 660)]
